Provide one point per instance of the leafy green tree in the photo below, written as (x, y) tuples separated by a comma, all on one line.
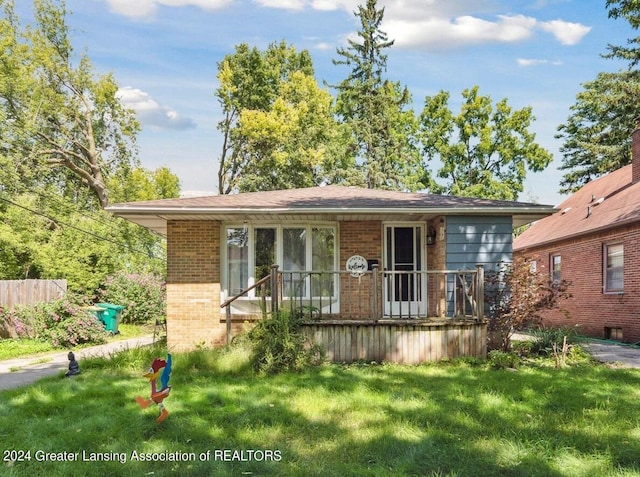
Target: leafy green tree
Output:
[(21, 235), (597, 134), (138, 183), (485, 151), (289, 142), (377, 111), (45, 236), (61, 124), (272, 110), (630, 11)]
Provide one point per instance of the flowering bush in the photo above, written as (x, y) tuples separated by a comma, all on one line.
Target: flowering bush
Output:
[(63, 322), (142, 295), (78, 329), (12, 324)]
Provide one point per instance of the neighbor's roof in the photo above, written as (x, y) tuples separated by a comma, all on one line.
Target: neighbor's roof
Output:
[(607, 202), (320, 203)]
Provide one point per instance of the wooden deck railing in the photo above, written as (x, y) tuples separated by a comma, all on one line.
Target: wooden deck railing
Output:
[(377, 294), (372, 295)]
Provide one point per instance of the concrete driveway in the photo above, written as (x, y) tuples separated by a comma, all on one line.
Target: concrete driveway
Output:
[(22, 371)]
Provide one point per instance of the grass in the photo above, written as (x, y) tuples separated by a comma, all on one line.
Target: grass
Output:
[(15, 348), (447, 419)]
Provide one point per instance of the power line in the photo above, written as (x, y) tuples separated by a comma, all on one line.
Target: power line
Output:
[(99, 237)]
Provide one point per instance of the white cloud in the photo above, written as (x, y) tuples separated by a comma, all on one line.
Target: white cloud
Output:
[(146, 8), (324, 46), (150, 112), (329, 5), (463, 30), (567, 33), (453, 23), (411, 23), (535, 62), (282, 4)]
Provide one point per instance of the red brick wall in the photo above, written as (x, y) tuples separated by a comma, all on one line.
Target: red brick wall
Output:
[(359, 238), (193, 285), (437, 260), (582, 265)]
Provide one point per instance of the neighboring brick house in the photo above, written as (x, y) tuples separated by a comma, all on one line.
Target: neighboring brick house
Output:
[(593, 241), (219, 246)]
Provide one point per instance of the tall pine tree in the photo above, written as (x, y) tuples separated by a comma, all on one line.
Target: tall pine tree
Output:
[(597, 134), (376, 110)]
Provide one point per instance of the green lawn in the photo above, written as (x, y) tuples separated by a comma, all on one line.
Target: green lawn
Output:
[(15, 348), (450, 419)]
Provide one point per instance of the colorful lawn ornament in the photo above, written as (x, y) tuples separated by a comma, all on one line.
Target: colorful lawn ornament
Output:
[(159, 369)]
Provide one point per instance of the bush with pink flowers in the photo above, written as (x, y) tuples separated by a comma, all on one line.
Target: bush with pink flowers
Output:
[(63, 322), (142, 295)]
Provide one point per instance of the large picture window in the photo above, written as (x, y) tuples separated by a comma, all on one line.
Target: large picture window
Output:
[(252, 250), (613, 268)]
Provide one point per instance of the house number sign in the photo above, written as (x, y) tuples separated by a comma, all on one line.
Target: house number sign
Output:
[(356, 265)]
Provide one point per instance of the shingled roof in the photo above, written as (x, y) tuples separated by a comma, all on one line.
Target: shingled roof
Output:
[(610, 201), (328, 203)]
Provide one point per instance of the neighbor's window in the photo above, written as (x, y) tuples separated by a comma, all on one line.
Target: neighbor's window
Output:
[(556, 266), (613, 268)]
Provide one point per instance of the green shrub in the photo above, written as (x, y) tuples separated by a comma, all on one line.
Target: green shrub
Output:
[(142, 295), (12, 324), (502, 359), (278, 345), (62, 322), (78, 329), (545, 338)]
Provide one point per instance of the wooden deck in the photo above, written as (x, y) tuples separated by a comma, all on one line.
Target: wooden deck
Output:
[(399, 341)]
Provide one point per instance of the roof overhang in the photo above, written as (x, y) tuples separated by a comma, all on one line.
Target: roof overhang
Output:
[(155, 218)]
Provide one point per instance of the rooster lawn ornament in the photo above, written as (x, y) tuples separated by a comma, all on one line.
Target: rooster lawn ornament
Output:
[(159, 369)]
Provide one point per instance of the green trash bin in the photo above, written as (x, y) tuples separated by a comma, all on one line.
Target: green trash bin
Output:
[(96, 311), (111, 316)]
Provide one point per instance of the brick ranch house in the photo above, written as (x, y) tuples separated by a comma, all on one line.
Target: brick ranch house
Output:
[(382, 275), (592, 241)]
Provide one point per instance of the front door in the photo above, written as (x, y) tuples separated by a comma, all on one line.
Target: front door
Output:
[(404, 289)]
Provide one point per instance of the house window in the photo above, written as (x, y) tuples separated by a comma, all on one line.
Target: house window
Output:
[(323, 258), (252, 250), (265, 240), (613, 268), (295, 260), (556, 267), (237, 259)]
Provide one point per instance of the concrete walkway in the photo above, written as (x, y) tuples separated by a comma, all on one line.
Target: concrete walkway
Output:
[(625, 356), (27, 370)]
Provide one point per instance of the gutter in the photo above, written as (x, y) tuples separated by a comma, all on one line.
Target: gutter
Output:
[(128, 210)]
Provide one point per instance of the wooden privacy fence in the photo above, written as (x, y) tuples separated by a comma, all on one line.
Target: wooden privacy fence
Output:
[(30, 292)]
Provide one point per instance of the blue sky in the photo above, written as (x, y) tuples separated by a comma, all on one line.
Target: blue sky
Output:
[(164, 55)]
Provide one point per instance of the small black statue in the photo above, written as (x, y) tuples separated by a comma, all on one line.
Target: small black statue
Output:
[(74, 367)]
